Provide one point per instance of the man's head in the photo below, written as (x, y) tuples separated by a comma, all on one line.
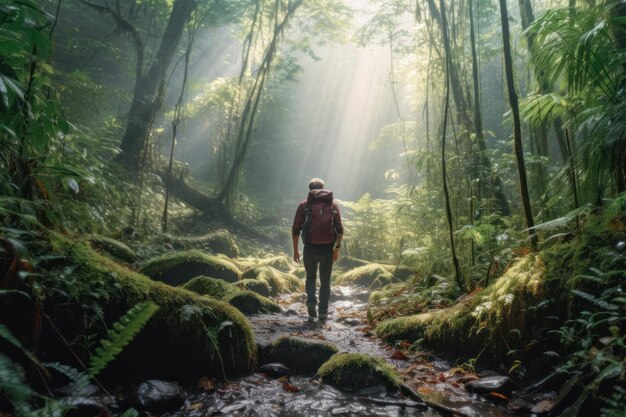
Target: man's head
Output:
[(316, 184)]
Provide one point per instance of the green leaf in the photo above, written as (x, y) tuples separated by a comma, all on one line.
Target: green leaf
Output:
[(123, 332)]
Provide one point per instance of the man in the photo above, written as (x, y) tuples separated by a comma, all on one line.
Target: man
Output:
[(319, 220)]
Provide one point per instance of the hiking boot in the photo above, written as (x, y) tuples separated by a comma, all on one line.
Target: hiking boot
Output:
[(311, 319), (323, 316), (312, 313)]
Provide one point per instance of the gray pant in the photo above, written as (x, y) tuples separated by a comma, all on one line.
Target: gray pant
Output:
[(313, 259)]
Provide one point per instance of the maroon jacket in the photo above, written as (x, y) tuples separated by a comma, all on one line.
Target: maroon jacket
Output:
[(318, 200)]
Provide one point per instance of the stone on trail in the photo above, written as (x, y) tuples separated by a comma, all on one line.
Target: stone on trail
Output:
[(302, 356), (213, 287), (355, 372), (499, 384), (279, 282), (258, 286), (275, 370), (375, 275), (249, 302), (158, 396), (179, 267)]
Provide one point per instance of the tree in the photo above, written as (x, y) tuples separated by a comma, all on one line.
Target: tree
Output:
[(517, 133)]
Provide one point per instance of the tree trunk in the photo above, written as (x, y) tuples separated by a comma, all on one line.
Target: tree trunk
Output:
[(457, 268), (517, 134), (149, 88)]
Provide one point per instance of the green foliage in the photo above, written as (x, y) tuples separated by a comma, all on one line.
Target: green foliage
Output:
[(122, 333), (596, 337)]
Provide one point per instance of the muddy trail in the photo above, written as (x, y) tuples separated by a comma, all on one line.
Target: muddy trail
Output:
[(274, 393)]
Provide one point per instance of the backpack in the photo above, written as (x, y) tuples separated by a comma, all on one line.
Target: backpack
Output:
[(319, 221)]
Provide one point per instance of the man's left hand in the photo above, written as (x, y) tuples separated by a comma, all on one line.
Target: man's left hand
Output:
[(335, 254)]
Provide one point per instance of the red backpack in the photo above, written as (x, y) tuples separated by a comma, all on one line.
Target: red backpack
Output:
[(320, 220)]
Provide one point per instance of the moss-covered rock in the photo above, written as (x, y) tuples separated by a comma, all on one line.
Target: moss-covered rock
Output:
[(175, 342), (213, 287), (302, 356), (114, 248), (279, 282), (355, 371), (218, 241), (348, 262), (249, 302), (179, 267), (258, 286), (374, 275), (471, 325)]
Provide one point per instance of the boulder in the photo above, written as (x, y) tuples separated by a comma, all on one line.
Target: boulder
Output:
[(348, 262), (258, 286), (302, 356), (275, 370), (355, 372), (174, 343), (370, 275), (279, 282), (498, 383), (249, 302), (213, 287), (179, 267), (158, 396), (112, 248)]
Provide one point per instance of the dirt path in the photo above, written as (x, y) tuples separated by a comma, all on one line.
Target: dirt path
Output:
[(257, 395)]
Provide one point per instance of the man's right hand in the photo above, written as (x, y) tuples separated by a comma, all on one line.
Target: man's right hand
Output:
[(296, 257)]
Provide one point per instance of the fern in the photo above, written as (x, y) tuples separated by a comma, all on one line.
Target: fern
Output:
[(594, 300), (80, 379), (6, 334), (122, 333)]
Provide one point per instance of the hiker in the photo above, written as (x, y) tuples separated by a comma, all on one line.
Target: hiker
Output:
[(319, 220)]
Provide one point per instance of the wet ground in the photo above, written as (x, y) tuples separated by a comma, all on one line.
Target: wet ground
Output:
[(435, 380)]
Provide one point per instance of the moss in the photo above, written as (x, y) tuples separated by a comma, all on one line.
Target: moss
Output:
[(213, 287), (179, 340), (115, 248), (374, 275), (179, 267), (291, 351), (219, 241), (483, 319), (352, 371), (249, 302), (279, 282), (259, 286)]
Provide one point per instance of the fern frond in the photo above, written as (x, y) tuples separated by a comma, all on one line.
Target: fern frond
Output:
[(594, 300), (79, 378), (122, 333)]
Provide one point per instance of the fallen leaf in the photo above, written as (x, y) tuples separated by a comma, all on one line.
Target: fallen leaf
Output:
[(442, 377), (400, 355), (290, 388), (498, 395), (193, 407), (405, 344), (283, 378), (206, 384)]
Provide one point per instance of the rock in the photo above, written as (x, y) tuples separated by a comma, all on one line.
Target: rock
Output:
[(302, 356), (249, 302), (113, 248), (216, 288), (500, 384), (351, 321), (218, 241), (375, 275), (158, 396), (179, 267), (518, 405), (348, 262), (275, 370), (291, 312), (279, 282), (356, 372), (258, 286)]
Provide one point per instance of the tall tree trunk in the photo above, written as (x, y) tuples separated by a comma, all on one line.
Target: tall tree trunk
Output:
[(517, 133), (444, 29), (482, 164), (149, 87)]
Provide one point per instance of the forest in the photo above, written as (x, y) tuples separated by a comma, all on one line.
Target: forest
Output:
[(153, 154)]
